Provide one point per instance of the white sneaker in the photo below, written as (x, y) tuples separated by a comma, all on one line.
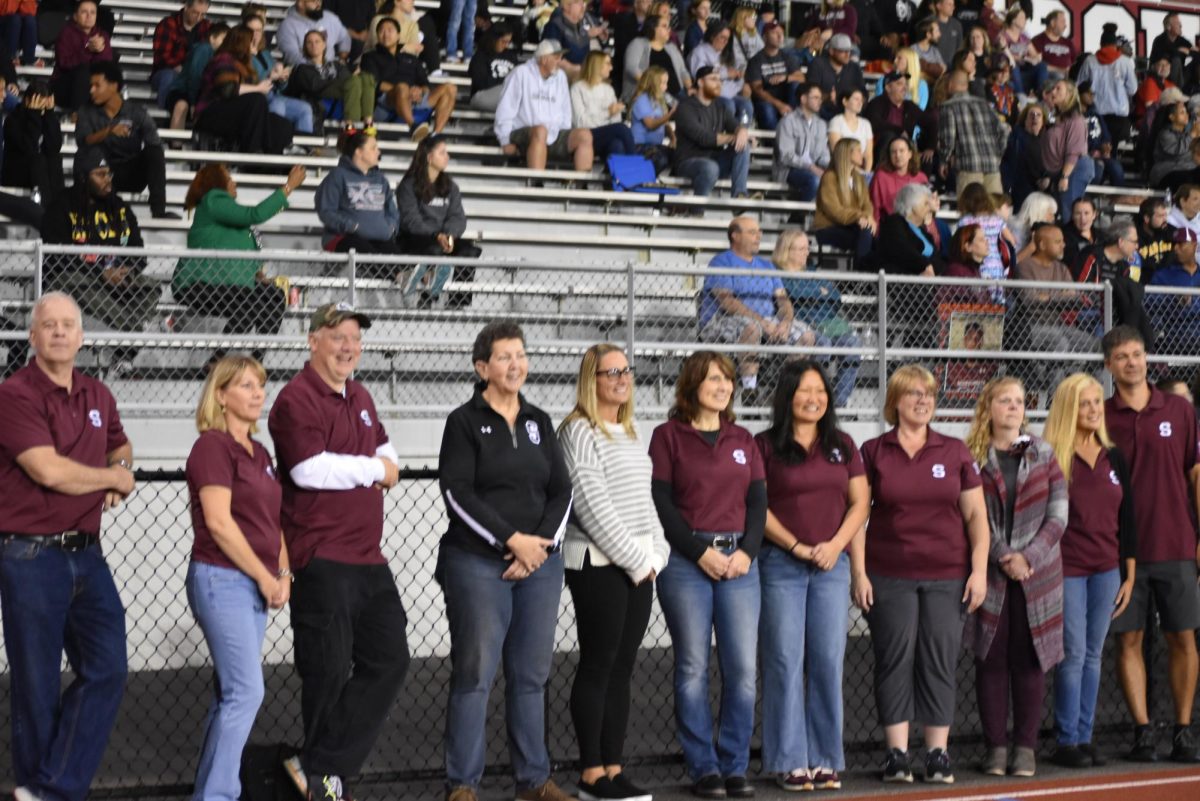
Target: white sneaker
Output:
[(25, 794)]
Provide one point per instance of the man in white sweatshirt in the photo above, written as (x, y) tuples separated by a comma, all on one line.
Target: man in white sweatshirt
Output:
[(534, 115)]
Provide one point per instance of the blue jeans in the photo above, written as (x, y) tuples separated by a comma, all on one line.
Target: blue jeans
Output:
[(1110, 170), (1087, 612), (293, 109), (1077, 183), (804, 181), (55, 600), (728, 163), (462, 21), (160, 82), (612, 140), (847, 366), (693, 604), (233, 616), (490, 619), (740, 107), (19, 33), (766, 114), (805, 618), (1028, 78)]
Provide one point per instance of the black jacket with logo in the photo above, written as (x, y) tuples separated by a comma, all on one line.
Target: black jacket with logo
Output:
[(498, 481)]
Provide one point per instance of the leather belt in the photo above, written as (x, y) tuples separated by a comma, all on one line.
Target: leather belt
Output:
[(63, 540)]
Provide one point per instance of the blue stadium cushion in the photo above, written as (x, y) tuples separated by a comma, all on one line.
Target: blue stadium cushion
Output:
[(636, 174)]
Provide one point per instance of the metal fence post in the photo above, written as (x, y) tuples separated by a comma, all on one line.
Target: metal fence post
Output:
[(881, 344), (1106, 380), (40, 268), (352, 269), (629, 313)]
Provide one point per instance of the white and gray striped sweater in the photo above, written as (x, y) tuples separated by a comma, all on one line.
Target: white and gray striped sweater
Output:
[(614, 520)]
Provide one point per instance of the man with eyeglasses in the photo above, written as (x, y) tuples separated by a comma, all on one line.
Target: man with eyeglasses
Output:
[(1113, 260), (348, 623), (748, 309)]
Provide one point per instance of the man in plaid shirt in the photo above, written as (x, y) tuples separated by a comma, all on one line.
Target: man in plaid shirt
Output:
[(173, 37), (971, 138)]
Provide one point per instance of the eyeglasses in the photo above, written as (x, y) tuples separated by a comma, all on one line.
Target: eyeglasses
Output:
[(616, 372), (918, 394)]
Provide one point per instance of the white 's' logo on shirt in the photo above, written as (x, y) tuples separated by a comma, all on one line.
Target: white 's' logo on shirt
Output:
[(535, 435), (1112, 476), (366, 417), (94, 417), (1164, 429), (939, 471), (835, 456), (270, 471), (739, 456), (485, 429)]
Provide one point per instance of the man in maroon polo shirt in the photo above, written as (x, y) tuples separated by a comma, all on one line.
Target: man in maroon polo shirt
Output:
[(348, 623), (1156, 433), (64, 458)]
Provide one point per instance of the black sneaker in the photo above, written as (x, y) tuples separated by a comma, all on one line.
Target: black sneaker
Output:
[(600, 790), (326, 788), (937, 767), (738, 787), (710, 786), (1070, 756), (1183, 745), (1145, 745), (1093, 753), (628, 790), (895, 767)]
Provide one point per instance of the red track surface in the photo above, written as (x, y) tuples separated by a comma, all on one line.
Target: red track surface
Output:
[(1166, 785)]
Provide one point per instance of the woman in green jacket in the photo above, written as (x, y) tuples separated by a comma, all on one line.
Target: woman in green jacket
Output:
[(236, 289)]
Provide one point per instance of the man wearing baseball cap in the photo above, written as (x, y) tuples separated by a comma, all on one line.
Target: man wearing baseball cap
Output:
[(773, 76), (533, 118), (1178, 316), (348, 623), (836, 73)]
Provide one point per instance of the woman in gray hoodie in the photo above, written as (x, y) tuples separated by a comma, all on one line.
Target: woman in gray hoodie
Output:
[(356, 205)]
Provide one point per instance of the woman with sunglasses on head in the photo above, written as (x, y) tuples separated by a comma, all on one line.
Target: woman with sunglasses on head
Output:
[(920, 569), (817, 501), (710, 491), (614, 547)]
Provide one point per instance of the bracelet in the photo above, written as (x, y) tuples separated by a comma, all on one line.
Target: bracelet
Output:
[(792, 550), (122, 463), (286, 573)]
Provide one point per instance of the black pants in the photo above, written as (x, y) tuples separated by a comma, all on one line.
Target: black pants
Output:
[(1118, 129), (416, 245), (351, 655), (22, 209), (246, 119), (371, 247), (611, 614), (256, 308), (71, 87), (40, 171), (147, 169)]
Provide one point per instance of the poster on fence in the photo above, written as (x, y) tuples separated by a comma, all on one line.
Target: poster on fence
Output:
[(968, 326)]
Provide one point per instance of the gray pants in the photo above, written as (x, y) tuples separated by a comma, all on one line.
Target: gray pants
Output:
[(487, 99), (916, 632)]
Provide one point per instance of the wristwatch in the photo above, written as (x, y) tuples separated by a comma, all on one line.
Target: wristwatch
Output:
[(123, 463)]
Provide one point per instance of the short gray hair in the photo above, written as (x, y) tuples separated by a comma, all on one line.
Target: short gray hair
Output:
[(55, 295), (1117, 229), (909, 196)]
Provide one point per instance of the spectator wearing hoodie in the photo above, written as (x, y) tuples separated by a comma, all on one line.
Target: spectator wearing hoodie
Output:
[(356, 204), (534, 115), (1114, 81), (79, 45), (33, 144), (305, 16), (1152, 86), (1100, 146), (404, 83)]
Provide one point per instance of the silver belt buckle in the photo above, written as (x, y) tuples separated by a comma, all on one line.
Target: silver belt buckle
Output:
[(724, 541)]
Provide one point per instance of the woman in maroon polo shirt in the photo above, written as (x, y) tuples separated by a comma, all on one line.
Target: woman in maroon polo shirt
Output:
[(817, 500), (919, 570), (709, 488), (1017, 633), (1099, 554), (239, 564)]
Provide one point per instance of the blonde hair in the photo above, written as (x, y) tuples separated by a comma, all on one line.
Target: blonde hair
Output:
[(738, 23), (210, 414), (846, 172), (979, 437), (592, 65), (1072, 105), (648, 85), (913, 68), (586, 407), (1062, 422), (904, 379), (784, 244)]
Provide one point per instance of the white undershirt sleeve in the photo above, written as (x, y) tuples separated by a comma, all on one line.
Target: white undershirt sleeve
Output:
[(338, 471)]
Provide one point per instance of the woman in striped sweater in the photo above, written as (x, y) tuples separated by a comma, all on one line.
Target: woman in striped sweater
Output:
[(1017, 634), (614, 548)]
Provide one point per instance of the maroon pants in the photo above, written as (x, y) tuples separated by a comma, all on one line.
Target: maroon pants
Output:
[(1011, 662)]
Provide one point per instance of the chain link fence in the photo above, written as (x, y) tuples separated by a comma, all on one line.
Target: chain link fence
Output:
[(154, 747), (416, 363)]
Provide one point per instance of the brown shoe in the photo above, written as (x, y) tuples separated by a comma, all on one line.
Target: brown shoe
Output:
[(462, 793), (549, 791)]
